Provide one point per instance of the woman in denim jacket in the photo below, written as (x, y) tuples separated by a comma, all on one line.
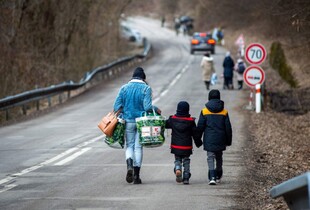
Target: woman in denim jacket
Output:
[(134, 98)]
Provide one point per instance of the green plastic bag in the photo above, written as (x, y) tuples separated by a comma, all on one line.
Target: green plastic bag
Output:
[(151, 128), (118, 138)]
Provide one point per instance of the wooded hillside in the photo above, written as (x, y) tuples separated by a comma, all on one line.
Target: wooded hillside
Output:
[(46, 42)]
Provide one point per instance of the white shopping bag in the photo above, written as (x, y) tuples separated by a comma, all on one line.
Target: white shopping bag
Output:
[(213, 79)]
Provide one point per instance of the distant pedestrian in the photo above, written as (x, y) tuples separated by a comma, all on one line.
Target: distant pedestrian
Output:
[(220, 36), (214, 34), (240, 68), (184, 29), (228, 65), (215, 126), (163, 20), (207, 69), (183, 132), (177, 26)]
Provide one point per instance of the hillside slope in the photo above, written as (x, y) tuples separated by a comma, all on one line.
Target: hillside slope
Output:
[(46, 42)]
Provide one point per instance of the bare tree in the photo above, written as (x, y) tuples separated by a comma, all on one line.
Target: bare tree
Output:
[(45, 42)]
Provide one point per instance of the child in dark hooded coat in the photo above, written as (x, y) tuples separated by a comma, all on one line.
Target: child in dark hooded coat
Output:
[(183, 132), (215, 126)]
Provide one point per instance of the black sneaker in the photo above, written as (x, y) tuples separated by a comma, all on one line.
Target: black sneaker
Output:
[(212, 182), (185, 181)]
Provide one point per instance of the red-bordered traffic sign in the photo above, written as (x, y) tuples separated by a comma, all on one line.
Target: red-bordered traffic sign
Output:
[(254, 75), (255, 53), (240, 40)]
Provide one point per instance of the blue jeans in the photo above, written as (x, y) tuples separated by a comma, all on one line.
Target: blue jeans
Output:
[(186, 165), (215, 158), (133, 147)]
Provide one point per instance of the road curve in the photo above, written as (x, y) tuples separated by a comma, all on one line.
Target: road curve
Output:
[(59, 161)]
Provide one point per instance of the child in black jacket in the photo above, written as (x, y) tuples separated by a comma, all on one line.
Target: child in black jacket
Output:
[(183, 131), (214, 123)]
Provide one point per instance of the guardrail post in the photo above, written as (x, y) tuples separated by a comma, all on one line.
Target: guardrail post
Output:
[(7, 117), (49, 101), (296, 192), (24, 109), (69, 94), (60, 98), (38, 105)]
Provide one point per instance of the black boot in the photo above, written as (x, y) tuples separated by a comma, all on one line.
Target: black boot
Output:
[(129, 176), (240, 85), (136, 176), (207, 85), (186, 176)]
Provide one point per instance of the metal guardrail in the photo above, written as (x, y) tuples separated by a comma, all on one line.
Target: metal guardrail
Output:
[(47, 92), (296, 192)]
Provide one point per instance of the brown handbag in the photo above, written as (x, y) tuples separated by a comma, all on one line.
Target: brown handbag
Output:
[(108, 123)]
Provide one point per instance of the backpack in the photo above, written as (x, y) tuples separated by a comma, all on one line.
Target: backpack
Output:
[(241, 68)]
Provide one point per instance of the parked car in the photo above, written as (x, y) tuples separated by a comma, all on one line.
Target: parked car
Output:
[(131, 34), (202, 42)]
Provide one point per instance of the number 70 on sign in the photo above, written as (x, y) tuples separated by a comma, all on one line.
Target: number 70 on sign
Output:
[(255, 53)]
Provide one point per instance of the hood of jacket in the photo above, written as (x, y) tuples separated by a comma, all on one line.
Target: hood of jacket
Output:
[(182, 123), (215, 105), (209, 59)]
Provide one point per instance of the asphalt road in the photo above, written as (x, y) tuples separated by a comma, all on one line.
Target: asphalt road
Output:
[(59, 160)]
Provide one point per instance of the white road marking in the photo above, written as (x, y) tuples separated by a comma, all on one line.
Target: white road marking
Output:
[(60, 155), (16, 137), (7, 187), (164, 93), (2, 181), (88, 198), (179, 75), (72, 157), (32, 168)]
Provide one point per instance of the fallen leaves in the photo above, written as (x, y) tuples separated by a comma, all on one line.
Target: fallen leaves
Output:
[(279, 150)]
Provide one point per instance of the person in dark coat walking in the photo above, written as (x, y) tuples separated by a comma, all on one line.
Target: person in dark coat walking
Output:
[(228, 65), (183, 131), (215, 126)]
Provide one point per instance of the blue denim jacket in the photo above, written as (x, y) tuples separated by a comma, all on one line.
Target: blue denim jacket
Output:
[(135, 97)]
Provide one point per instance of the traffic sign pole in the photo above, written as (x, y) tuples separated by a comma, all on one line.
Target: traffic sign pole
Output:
[(258, 98)]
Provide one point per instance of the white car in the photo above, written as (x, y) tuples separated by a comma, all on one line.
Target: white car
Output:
[(131, 34)]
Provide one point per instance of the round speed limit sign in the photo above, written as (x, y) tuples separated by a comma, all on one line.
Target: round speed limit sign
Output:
[(255, 53)]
